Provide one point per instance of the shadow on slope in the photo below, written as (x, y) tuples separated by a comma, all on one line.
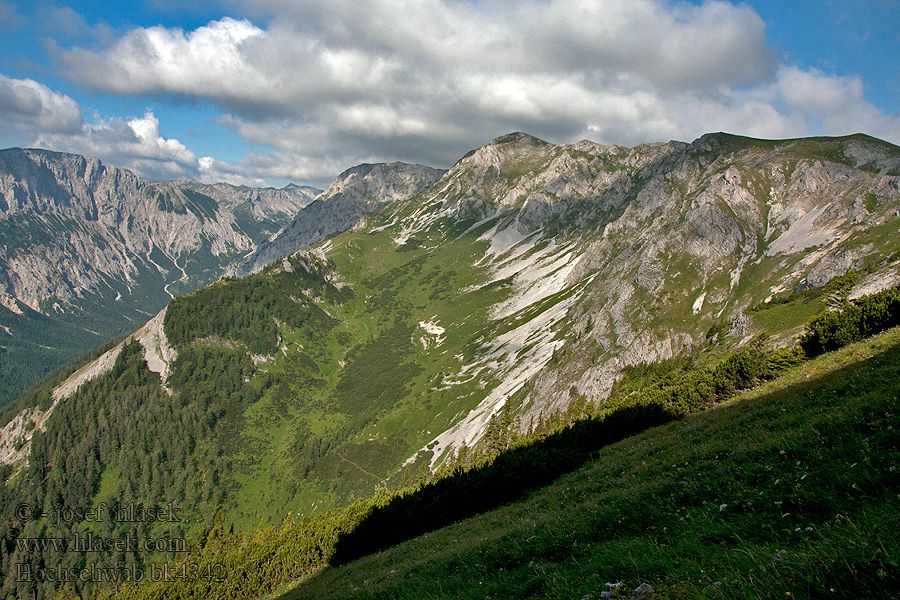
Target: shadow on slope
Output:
[(512, 474), (792, 489)]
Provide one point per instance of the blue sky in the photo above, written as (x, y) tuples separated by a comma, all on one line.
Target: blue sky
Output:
[(267, 92)]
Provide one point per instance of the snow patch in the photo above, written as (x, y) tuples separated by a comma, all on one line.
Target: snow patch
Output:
[(382, 227), (536, 276), (698, 303), (538, 272), (503, 240), (513, 358), (433, 334)]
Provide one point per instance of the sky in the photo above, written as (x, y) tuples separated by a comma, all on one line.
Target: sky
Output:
[(267, 92)]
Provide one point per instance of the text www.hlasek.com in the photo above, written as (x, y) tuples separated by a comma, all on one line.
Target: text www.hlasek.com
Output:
[(93, 573), (91, 543)]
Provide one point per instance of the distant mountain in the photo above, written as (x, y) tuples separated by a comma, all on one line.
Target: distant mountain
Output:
[(88, 251), (529, 279), (354, 193)]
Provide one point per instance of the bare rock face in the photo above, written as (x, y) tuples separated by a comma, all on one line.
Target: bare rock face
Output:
[(71, 225), (832, 265), (353, 194)]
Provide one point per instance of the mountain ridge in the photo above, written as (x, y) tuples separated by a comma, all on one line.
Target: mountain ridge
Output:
[(714, 227), (545, 175), (353, 194)]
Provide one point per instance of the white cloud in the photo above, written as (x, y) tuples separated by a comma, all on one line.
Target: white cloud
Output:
[(382, 51), (682, 45), (154, 59), (133, 143), (836, 103), (258, 169), (41, 117), (314, 50), (27, 106), (345, 81)]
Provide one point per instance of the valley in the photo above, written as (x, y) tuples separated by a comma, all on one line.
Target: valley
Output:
[(90, 252)]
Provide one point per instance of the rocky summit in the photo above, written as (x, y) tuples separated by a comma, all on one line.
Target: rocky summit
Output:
[(353, 194)]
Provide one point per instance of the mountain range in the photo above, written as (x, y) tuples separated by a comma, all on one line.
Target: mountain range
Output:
[(91, 251), (528, 279)]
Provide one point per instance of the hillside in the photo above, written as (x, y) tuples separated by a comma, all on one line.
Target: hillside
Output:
[(530, 279), (789, 490), (721, 524), (89, 251)]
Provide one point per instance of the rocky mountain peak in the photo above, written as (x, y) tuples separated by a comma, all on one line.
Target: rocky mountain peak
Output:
[(353, 194), (38, 181), (383, 182), (872, 154), (517, 138)]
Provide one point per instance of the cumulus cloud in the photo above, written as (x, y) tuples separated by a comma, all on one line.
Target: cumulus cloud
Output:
[(214, 59), (43, 118), (831, 104), (259, 169), (316, 50), (134, 143), (344, 81), (27, 106)]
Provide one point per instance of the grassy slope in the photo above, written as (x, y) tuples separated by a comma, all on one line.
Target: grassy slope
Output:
[(790, 490), (388, 399)]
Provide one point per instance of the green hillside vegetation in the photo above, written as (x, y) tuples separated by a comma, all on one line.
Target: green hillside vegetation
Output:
[(260, 408), (786, 490)]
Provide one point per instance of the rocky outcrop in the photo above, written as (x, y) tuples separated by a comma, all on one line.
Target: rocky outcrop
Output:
[(71, 226), (353, 194)]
